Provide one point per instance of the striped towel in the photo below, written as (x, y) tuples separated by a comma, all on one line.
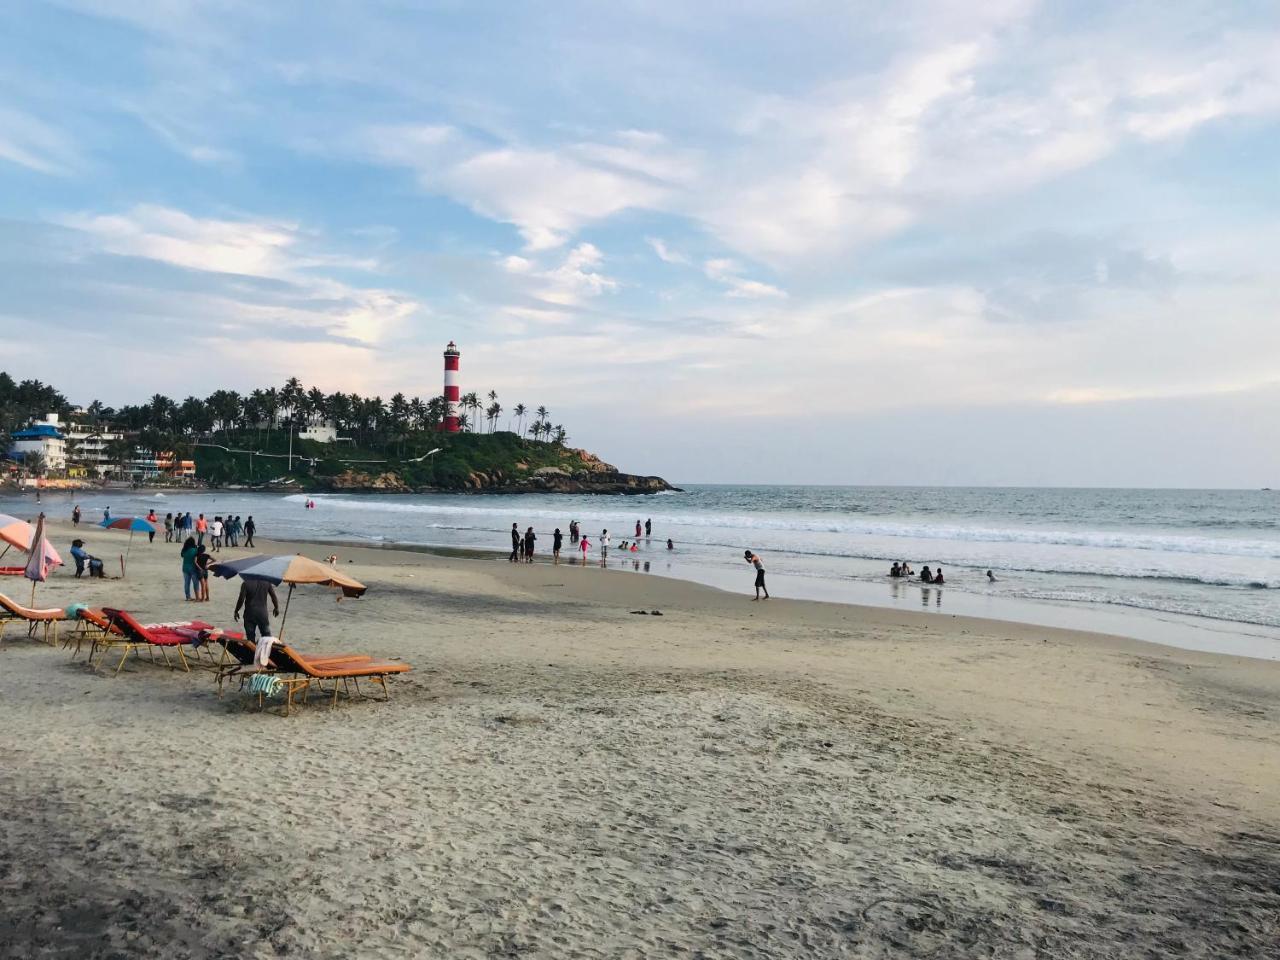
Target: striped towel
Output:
[(265, 683)]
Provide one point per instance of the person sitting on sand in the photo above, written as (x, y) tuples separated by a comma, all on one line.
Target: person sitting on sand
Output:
[(83, 558), (756, 562), (991, 577), (926, 575), (938, 578)]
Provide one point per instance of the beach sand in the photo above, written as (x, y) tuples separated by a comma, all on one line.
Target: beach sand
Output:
[(562, 777)]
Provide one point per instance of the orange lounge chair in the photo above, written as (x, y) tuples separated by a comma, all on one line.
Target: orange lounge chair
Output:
[(239, 656), (344, 670), (48, 619)]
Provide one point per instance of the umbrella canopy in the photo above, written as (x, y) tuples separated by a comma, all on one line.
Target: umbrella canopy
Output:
[(15, 532), (43, 557), (131, 524), (290, 569)]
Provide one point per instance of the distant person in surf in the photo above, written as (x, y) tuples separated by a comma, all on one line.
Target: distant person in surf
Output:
[(604, 544), (938, 578), (895, 570), (648, 527), (573, 532), (637, 529), (670, 545), (926, 575), (557, 541), (584, 545), (755, 561), (991, 577)]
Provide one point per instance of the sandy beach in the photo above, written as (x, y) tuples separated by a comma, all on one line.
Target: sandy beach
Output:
[(560, 776)]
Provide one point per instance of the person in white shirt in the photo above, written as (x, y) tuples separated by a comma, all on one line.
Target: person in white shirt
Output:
[(215, 534), (604, 544)]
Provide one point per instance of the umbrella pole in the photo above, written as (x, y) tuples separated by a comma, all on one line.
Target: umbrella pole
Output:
[(7, 548), (33, 595), (280, 632)]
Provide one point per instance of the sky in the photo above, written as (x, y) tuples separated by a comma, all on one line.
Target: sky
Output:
[(919, 242)]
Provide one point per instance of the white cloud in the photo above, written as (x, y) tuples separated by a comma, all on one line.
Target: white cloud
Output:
[(33, 144), (727, 272), (665, 253)]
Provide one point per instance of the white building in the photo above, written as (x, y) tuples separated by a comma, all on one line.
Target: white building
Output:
[(87, 447), (321, 431), (43, 438)]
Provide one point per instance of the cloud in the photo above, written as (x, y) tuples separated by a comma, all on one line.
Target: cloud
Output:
[(548, 194), (665, 253), (726, 272), (35, 145)]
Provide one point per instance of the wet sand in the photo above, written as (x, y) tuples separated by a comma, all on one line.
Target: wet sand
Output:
[(562, 777)]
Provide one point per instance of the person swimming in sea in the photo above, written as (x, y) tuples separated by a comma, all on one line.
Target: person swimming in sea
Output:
[(938, 578), (895, 570), (670, 545), (991, 577), (926, 575)]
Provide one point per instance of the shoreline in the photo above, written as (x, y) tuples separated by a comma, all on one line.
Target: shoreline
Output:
[(1153, 627)]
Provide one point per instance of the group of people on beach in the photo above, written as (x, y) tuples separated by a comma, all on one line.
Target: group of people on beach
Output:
[(523, 544)]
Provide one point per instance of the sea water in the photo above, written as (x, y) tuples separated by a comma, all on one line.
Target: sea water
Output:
[(1197, 568)]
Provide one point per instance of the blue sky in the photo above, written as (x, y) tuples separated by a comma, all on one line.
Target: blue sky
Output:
[(800, 242)]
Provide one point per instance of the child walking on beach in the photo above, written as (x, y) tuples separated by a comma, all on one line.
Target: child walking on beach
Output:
[(584, 545)]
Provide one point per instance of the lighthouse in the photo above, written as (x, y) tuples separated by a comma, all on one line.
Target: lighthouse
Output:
[(451, 355)]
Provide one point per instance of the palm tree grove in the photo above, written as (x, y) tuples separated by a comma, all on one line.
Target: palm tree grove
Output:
[(293, 434)]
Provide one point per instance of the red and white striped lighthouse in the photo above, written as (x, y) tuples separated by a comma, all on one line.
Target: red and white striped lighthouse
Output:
[(451, 394)]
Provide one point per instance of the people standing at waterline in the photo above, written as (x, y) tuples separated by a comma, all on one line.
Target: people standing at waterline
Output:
[(557, 540), (756, 562), (604, 544), (515, 543), (529, 538)]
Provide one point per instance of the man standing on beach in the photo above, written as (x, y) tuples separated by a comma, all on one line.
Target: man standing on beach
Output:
[(604, 545), (249, 528), (515, 543), (253, 600), (756, 562), (557, 541), (202, 527)]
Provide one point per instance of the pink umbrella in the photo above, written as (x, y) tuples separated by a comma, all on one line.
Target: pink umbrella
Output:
[(42, 558)]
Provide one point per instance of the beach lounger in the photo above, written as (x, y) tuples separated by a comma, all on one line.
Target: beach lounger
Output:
[(36, 620), (238, 659), (296, 671), (122, 630)]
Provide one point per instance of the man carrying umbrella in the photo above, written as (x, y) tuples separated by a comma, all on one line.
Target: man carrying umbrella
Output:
[(253, 600)]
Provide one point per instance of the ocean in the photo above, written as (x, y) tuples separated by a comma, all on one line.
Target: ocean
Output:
[(1192, 568)]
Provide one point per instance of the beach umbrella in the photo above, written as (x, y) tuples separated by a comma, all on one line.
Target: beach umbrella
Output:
[(15, 533), (132, 524), (43, 558), (292, 569)]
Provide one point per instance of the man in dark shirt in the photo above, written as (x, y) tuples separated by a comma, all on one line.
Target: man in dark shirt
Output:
[(249, 528), (515, 543), (253, 600)]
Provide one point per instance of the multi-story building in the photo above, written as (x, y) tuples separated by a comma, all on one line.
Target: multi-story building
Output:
[(42, 438), (87, 446)]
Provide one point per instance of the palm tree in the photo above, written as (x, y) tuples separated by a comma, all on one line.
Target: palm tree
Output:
[(542, 417), (492, 413), (463, 422), (561, 436), (520, 410)]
